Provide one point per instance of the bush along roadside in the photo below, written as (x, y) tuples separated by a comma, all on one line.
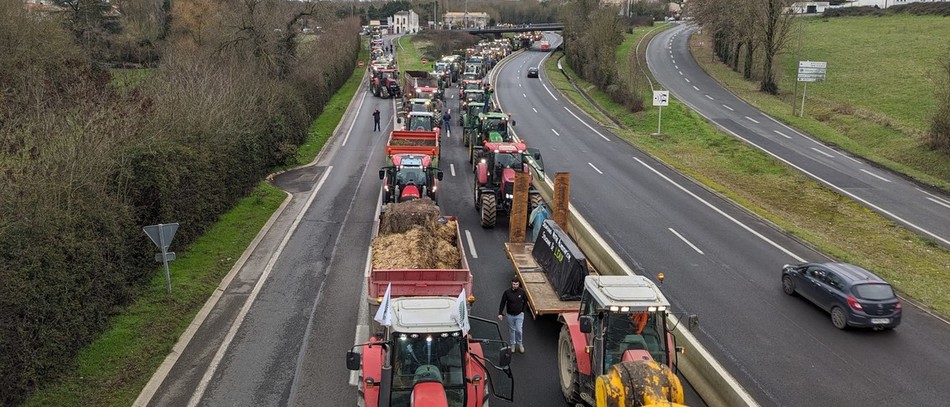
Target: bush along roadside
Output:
[(835, 225), (133, 340)]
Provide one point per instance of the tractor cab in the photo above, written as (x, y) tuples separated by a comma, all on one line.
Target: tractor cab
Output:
[(621, 319), (421, 121), (386, 83), (474, 95), (495, 172), (419, 105), (488, 128), (411, 176), (469, 84), (468, 119), (424, 359)]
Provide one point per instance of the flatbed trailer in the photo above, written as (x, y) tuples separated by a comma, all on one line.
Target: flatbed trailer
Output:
[(542, 299)]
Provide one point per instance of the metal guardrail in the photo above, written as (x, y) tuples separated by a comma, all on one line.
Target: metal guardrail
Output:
[(709, 378)]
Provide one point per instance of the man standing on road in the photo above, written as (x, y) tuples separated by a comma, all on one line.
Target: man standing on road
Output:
[(447, 121), (512, 309), (376, 120)]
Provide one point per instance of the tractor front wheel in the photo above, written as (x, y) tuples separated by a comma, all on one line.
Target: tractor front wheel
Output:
[(567, 366), (489, 210)]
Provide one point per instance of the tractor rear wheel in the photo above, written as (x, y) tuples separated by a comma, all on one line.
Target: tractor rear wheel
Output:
[(489, 210), (535, 202), (567, 366)]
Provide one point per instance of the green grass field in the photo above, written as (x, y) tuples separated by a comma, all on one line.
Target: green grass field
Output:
[(874, 104), (409, 56), (114, 368), (824, 219)]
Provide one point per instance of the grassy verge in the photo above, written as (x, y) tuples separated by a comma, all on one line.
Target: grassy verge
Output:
[(124, 79), (877, 108), (322, 128), (113, 369), (835, 225), (409, 54)]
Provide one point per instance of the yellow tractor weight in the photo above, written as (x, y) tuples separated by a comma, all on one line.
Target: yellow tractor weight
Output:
[(639, 384)]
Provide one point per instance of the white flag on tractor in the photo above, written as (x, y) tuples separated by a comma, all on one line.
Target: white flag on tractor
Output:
[(461, 313), (384, 314)]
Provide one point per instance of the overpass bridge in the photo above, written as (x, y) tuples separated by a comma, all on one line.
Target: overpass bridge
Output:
[(516, 29)]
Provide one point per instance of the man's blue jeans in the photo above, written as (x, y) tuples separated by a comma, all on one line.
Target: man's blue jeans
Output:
[(515, 323)]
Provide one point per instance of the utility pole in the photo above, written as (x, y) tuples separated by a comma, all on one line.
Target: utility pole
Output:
[(798, 57)]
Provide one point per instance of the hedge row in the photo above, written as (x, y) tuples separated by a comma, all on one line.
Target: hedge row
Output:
[(919, 9), (84, 167)]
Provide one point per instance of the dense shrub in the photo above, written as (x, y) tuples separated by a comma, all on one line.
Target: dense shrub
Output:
[(85, 167), (920, 9)]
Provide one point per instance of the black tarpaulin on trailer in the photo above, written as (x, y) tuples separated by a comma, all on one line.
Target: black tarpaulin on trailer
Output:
[(563, 263)]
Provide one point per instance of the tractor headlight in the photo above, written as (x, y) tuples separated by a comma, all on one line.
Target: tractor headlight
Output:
[(509, 196)]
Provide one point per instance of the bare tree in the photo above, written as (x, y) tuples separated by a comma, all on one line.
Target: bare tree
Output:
[(775, 18)]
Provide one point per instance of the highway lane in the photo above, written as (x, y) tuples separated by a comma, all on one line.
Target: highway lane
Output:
[(922, 209), (723, 264)]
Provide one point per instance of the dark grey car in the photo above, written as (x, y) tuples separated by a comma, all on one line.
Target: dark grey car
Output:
[(854, 296), (532, 72)]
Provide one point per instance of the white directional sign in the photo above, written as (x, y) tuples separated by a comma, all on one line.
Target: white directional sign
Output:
[(661, 98), (811, 71)]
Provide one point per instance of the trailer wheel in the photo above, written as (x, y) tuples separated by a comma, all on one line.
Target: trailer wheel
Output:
[(489, 210), (567, 366)]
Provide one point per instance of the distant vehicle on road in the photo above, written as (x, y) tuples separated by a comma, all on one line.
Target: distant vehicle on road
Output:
[(545, 46), (854, 296), (533, 72)]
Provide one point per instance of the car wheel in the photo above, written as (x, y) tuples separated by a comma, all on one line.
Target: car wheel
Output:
[(839, 318), (788, 285)]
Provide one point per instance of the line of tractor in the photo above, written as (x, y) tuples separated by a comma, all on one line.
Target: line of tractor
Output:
[(615, 347)]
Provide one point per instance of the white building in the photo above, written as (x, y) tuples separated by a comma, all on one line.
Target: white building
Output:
[(886, 3), (810, 7), (404, 22), (455, 19)]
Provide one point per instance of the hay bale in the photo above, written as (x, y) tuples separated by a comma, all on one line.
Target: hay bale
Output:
[(411, 237), (400, 217)]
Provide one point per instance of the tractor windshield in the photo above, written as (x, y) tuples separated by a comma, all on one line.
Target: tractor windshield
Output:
[(411, 175), (435, 357), (387, 75), (634, 330), (508, 160), (420, 123), (499, 126)]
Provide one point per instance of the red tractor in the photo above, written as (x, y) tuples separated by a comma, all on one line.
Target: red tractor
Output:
[(411, 176), (495, 178), (385, 83), (424, 359)]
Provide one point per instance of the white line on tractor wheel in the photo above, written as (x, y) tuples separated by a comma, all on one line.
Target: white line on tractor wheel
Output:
[(471, 244), (595, 168), (687, 241)]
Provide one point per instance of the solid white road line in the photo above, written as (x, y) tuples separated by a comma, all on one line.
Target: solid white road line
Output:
[(356, 117), (782, 134), (471, 244), (875, 175), (752, 120), (709, 97), (686, 241), (595, 168), (727, 107), (585, 123), (452, 168), (549, 91), (726, 215), (223, 348), (822, 153), (556, 133)]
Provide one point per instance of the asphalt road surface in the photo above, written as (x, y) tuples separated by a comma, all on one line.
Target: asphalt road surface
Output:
[(724, 264), (924, 210)]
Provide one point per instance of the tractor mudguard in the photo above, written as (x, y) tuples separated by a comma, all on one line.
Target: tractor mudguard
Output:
[(482, 173), (372, 369), (578, 340)]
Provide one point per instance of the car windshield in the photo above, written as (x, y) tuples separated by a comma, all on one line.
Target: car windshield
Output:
[(875, 292), (435, 357), (632, 331)]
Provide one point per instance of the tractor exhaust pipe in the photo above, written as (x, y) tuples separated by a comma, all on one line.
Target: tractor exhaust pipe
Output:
[(386, 379)]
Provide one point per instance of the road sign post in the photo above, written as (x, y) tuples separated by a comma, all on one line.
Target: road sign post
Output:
[(162, 235), (660, 98), (809, 71)]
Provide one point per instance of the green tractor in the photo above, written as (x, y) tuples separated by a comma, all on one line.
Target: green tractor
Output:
[(469, 118), (489, 127)]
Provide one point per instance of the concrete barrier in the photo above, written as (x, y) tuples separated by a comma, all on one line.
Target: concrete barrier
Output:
[(710, 380)]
